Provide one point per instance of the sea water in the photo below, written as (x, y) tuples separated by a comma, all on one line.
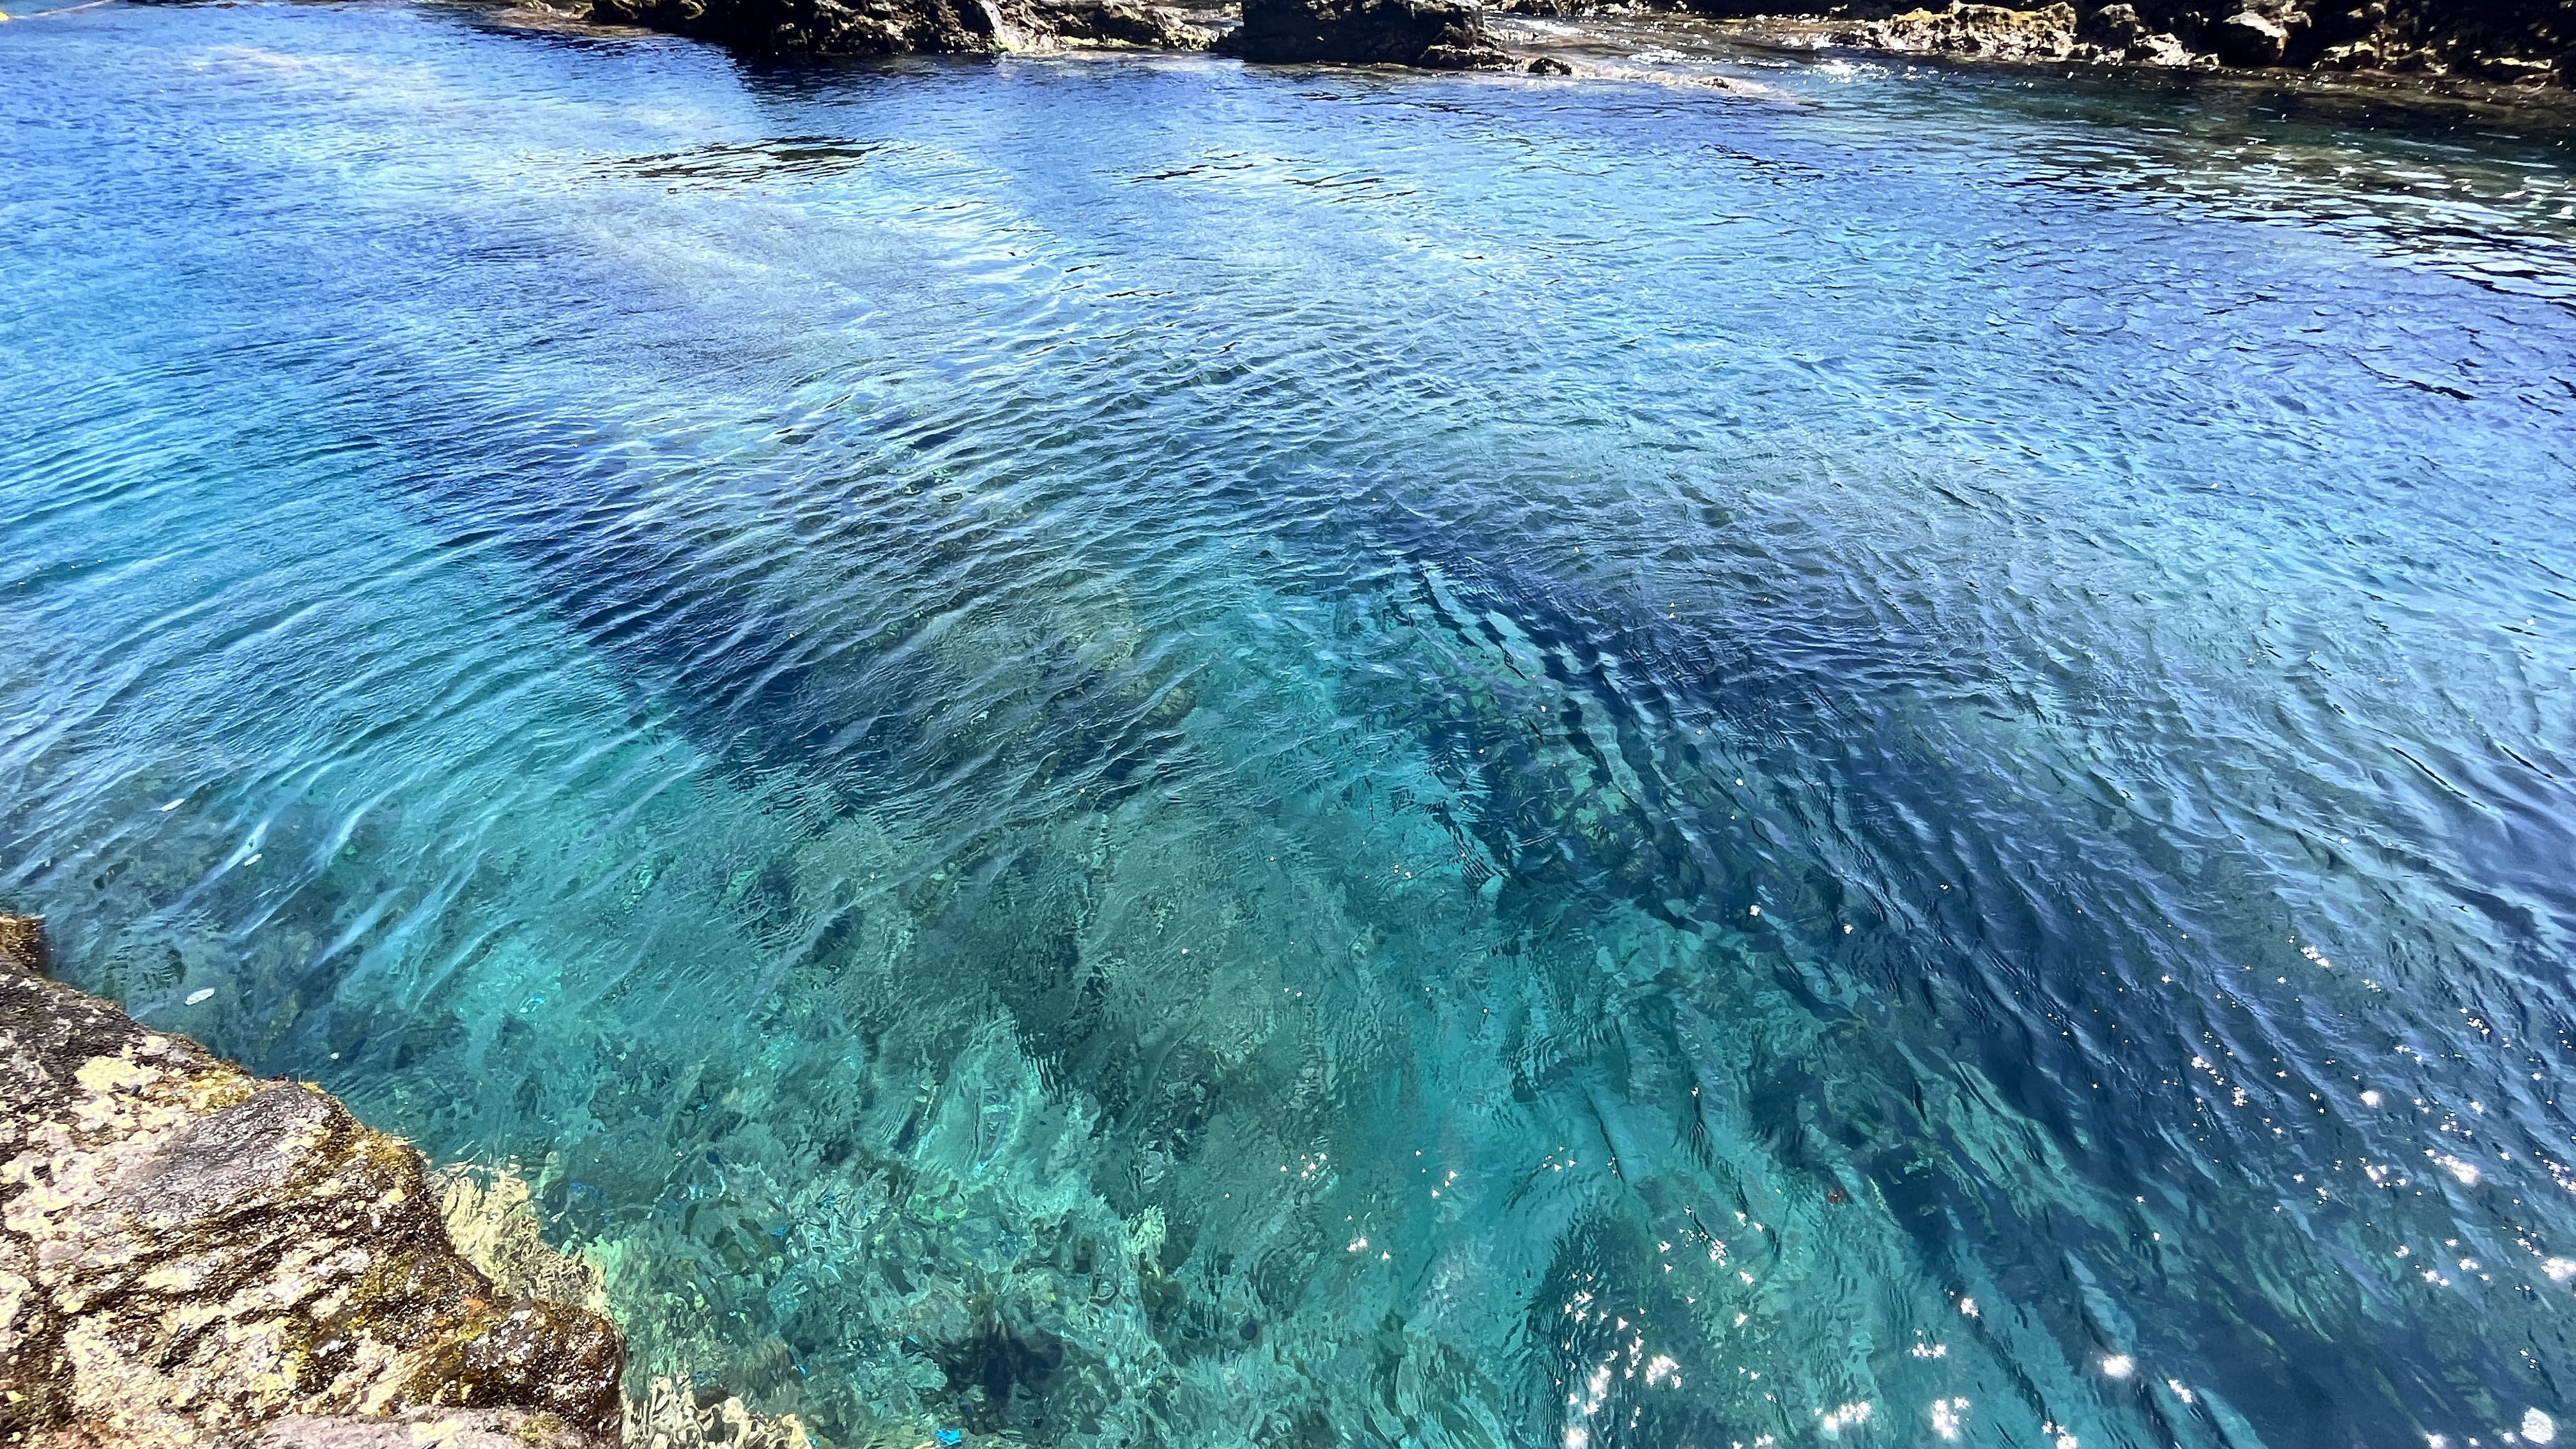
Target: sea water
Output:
[(1131, 751)]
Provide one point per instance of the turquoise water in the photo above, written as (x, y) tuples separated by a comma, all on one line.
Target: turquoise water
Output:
[(1125, 751)]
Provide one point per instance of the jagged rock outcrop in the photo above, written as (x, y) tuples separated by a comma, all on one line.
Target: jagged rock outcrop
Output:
[(190, 1256), (2520, 41), (1117, 24), (2516, 41), (1993, 32), (906, 27), (1438, 34), (852, 27)]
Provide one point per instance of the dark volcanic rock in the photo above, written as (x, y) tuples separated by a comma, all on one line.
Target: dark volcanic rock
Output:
[(2508, 40), (2114, 26), (848, 27), (904, 27), (191, 1256), (1116, 23), (1441, 34), (2246, 38)]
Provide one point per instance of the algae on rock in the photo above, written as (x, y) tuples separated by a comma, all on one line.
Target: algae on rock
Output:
[(190, 1255)]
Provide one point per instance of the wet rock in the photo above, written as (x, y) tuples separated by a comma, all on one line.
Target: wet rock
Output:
[(2248, 39), (1440, 34), (22, 943), (189, 1255), (491, 1218)]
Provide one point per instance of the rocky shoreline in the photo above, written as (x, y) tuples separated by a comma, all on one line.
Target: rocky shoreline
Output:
[(2506, 41), (195, 1258), (2520, 43), (1430, 34)]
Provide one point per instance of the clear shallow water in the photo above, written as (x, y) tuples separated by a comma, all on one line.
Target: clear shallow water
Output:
[(1128, 752)]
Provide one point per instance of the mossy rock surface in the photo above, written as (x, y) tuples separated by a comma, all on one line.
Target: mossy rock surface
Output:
[(191, 1255)]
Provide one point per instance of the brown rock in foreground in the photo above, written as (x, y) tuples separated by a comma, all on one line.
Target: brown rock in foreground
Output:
[(192, 1256)]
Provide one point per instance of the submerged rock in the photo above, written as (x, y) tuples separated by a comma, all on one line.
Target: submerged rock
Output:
[(1439, 34), (491, 1218), (192, 1256), (677, 1414)]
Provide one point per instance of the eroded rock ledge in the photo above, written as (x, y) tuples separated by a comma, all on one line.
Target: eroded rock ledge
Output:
[(191, 1256)]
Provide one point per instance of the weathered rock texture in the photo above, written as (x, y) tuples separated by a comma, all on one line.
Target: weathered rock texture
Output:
[(1990, 31), (2522, 41), (192, 1256), (1440, 34), (905, 27)]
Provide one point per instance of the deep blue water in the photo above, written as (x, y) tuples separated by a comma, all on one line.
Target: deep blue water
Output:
[(1126, 751)]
